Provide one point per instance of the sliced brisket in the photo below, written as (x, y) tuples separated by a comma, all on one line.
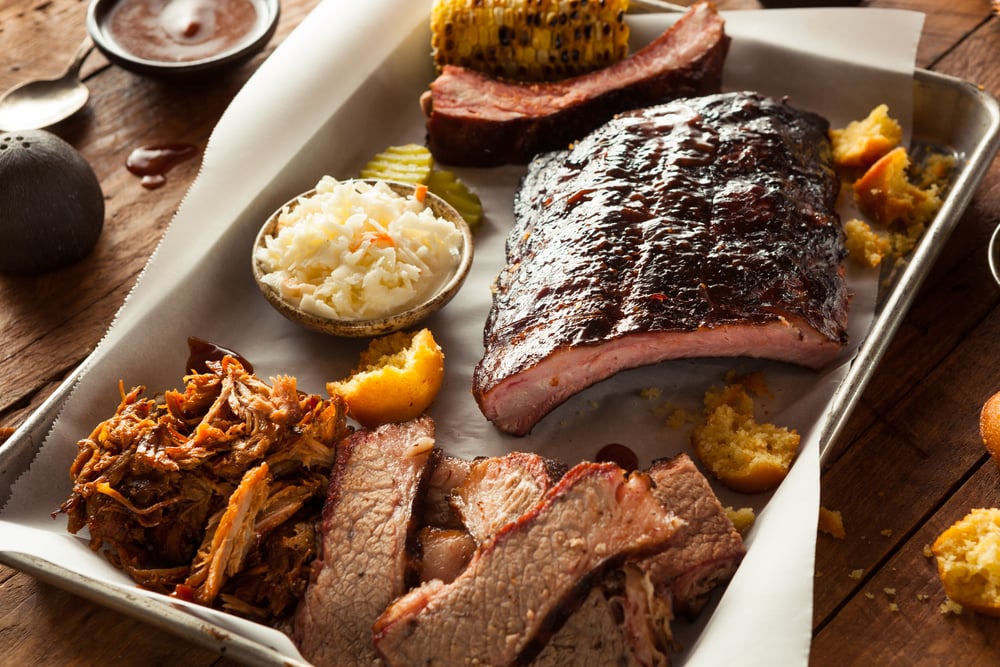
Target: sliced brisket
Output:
[(709, 550), (522, 584), (435, 502), (365, 557), (444, 552), (701, 227), (498, 490), (479, 121)]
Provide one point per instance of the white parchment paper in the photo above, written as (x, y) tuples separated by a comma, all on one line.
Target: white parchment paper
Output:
[(344, 85)]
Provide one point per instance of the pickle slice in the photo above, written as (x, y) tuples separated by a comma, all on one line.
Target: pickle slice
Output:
[(409, 163), (446, 185)]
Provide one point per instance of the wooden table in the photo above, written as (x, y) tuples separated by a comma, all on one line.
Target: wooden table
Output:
[(912, 460)]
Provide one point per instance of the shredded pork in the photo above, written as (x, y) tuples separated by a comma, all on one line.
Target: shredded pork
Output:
[(212, 495)]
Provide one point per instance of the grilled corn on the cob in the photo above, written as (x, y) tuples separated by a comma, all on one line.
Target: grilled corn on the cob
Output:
[(529, 40)]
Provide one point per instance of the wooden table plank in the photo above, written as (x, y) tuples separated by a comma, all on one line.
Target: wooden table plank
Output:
[(867, 631)]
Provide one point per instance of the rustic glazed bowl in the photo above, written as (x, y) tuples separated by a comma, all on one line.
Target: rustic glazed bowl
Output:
[(380, 325), (99, 11), (994, 254)]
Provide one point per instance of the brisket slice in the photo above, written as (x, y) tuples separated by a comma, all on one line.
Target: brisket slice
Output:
[(591, 636), (709, 550), (475, 120), (701, 227), (622, 622), (498, 490), (522, 584), (364, 560), (435, 503), (444, 552)]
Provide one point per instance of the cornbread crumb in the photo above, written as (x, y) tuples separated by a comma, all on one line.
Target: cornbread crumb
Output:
[(891, 592), (742, 518), (887, 532), (856, 574), (752, 382), (934, 171), (927, 551), (864, 244), (679, 417), (893, 606), (869, 595), (886, 194), (863, 142), (397, 377), (831, 522), (651, 393), (968, 561), (923, 597), (949, 606), (744, 455)]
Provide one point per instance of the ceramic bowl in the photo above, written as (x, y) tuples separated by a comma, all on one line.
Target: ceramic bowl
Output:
[(99, 26), (381, 325), (994, 254)]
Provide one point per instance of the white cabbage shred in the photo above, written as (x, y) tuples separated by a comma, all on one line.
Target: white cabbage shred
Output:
[(358, 251)]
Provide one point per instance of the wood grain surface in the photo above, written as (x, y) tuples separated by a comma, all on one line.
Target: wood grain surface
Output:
[(910, 461)]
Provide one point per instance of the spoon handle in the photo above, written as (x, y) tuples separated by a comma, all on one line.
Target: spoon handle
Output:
[(81, 54)]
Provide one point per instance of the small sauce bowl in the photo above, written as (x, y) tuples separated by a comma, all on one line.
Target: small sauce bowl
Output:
[(993, 257), (377, 326), (181, 38)]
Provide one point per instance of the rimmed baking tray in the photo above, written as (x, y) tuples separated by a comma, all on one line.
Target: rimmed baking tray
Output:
[(947, 112), (952, 115)]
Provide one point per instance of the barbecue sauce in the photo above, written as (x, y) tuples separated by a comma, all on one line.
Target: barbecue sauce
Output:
[(202, 351), (152, 163), (181, 30), (618, 454)]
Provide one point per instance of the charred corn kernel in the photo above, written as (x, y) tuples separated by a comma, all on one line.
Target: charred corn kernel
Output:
[(529, 40)]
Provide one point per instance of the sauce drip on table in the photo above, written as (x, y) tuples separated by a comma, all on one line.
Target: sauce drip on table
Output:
[(153, 162), (180, 30)]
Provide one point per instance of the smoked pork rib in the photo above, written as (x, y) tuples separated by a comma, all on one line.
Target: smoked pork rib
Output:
[(701, 227), (523, 583), (365, 559), (476, 120)]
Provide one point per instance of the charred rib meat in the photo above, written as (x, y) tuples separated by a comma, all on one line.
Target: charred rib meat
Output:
[(701, 227)]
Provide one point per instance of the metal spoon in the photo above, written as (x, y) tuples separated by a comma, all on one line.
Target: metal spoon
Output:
[(36, 104)]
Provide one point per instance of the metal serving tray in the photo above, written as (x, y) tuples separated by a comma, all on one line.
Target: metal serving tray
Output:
[(948, 113), (953, 115)]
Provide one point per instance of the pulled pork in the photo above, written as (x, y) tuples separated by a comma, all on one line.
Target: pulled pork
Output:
[(214, 494)]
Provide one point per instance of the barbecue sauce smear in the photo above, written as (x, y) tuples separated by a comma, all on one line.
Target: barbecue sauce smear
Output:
[(151, 163)]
